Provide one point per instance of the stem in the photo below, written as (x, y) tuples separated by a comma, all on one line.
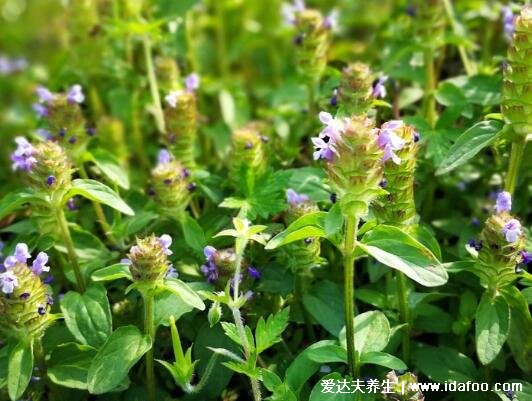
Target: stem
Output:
[(430, 87), (518, 149), (149, 329), (311, 100), (71, 250), (154, 88), (38, 353), (221, 38), (98, 209), (349, 291), (404, 314), (468, 65), (299, 289)]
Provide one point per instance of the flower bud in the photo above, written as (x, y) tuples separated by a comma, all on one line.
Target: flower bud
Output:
[(167, 73), (354, 161), (312, 44), (148, 259), (355, 93), (247, 152), (215, 314), (24, 299), (401, 389), (397, 207), (170, 182), (517, 84)]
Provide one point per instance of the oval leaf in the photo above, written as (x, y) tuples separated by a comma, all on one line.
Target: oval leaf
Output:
[(20, 369), (69, 365), (310, 225), (372, 332), (98, 192), (382, 359), (492, 325), (113, 272), (110, 167), (186, 293)]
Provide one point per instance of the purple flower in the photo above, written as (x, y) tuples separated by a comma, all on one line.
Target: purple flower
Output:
[(164, 157), (50, 180), (44, 134), (379, 90), (526, 257), (324, 150), (389, 141), (416, 136), (165, 240), (8, 282), (22, 157), (21, 252), (512, 230), (192, 82), (210, 271), (209, 252), (71, 204), (172, 98), (508, 22), (171, 272), (126, 261), (41, 309), (75, 94), (39, 264), (334, 126), (294, 198), (289, 10), (334, 98), (44, 94), (503, 202), (331, 20), (40, 109), (254, 273)]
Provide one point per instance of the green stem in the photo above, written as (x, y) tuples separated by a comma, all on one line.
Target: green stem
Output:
[(69, 244), (430, 87), (221, 46), (404, 314), (516, 156), (349, 291), (154, 87), (299, 289), (468, 65), (311, 100), (38, 353), (149, 329)]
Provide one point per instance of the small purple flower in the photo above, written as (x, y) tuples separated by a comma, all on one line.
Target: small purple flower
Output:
[(90, 130), (50, 180), (512, 230), (334, 126), (40, 110), (21, 252), (75, 94), (41, 310), (71, 204), (503, 202), (210, 253), (210, 271), (288, 11), (389, 141), (475, 222), (172, 98), (324, 150), (334, 98), (44, 134), (379, 90), (383, 183), (22, 157), (191, 186), (164, 157), (526, 257), (192, 82), (172, 272), (331, 20), (294, 198), (254, 273), (8, 282), (508, 22), (126, 261), (24, 296), (165, 240), (73, 139), (44, 94), (39, 264)]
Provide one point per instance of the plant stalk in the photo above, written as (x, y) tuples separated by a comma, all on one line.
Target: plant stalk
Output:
[(149, 329), (71, 250), (154, 87), (430, 87), (516, 157), (404, 314), (469, 67), (349, 291)]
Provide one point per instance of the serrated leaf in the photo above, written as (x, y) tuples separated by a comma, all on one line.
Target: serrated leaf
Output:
[(268, 332)]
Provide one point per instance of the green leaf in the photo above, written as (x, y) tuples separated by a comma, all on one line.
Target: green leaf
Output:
[(492, 325), (113, 361), (98, 192), (268, 332), (187, 294), (372, 332), (302, 367), (69, 365), (469, 144), (110, 167), (398, 250), (310, 225), (318, 395), (88, 315), (113, 272), (522, 390), (382, 359), (5, 351), (14, 200), (20, 369), (325, 303), (334, 220), (168, 304), (442, 364), (328, 354), (193, 233)]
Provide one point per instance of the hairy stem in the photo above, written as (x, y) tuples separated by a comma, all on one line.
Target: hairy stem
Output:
[(516, 156), (71, 250), (430, 86), (349, 291), (402, 295), (149, 329)]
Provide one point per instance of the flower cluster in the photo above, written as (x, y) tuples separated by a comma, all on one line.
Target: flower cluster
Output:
[(148, 259), (220, 263), (24, 298), (248, 153), (192, 82)]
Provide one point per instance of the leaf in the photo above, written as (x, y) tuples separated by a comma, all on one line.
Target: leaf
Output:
[(442, 364), (472, 141), (98, 192), (5, 351), (325, 303), (268, 332), (69, 365), (113, 272), (110, 167), (372, 332), (20, 369), (168, 304), (334, 220), (521, 390), (492, 325), (302, 367), (382, 359), (187, 294), (318, 393), (328, 354), (193, 233), (309, 225), (398, 250), (14, 200), (113, 361), (88, 315)]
